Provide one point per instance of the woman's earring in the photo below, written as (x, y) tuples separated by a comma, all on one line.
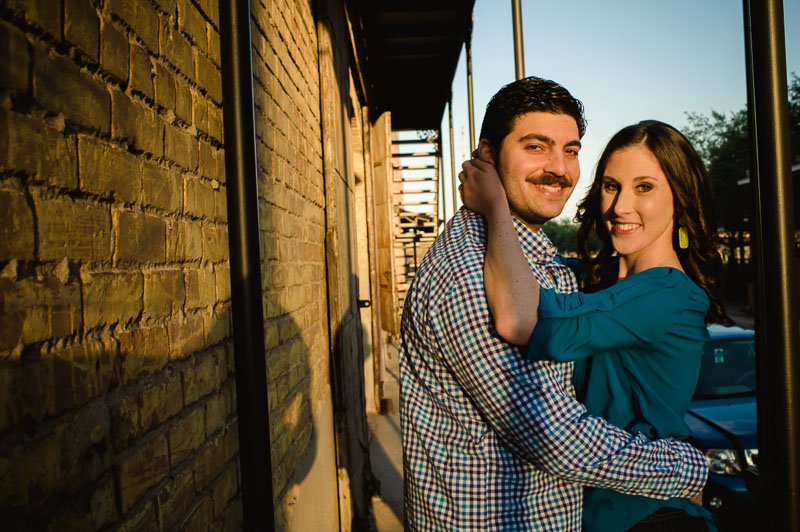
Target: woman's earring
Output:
[(683, 237)]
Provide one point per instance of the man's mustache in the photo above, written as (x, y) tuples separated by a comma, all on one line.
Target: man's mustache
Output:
[(550, 179)]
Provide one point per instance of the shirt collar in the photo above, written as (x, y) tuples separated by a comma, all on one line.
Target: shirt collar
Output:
[(536, 246)]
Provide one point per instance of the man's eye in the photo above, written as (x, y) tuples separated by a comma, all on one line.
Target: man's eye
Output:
[(534, 147), (572, 152)]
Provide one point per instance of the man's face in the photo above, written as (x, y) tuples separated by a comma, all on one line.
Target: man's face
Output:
[(538, 165)]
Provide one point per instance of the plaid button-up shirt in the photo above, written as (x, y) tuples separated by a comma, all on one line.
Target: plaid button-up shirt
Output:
[(492, 441)]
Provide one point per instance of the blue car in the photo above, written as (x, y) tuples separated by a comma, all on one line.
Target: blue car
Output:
[(722, 421)]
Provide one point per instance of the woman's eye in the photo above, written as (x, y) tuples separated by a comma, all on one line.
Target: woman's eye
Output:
[(644, 187), (610, 187)]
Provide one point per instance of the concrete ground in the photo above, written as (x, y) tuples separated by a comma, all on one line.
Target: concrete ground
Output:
[(385, 450)]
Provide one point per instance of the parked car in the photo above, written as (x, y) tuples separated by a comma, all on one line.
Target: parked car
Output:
[(722, 421)]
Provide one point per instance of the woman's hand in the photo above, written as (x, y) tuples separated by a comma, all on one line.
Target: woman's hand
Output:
[(481, 189)]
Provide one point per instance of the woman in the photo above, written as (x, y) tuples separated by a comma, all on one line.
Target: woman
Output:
[(638, 336)]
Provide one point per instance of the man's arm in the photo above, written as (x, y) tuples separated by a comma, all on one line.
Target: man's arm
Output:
[(527, 405)]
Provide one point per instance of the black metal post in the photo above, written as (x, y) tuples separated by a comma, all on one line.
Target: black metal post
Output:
[(470, 99), (778, 365), (245, 258), (519, 59)]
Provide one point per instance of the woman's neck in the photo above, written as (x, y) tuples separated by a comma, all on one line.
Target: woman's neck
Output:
[(632, 264)]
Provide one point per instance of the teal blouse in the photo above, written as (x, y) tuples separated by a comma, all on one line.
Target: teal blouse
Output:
[(645, 337)]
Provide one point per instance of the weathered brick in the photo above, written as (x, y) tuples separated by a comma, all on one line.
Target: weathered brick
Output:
[(210, 462), (201, 517), (162, 188), (78, 373), (186, 436), (16, 226), (33, 470), (206, 374), (225, 489), (141, 75), (200, 287), (215, 123), (160, 401), (140, 237), (169, 6), (185, 336), (102, 503), (141, 17), (211, 10), (184, 241), (15, 59), (163, 292), (175, 498), (191, 22), (142, 351), (89, 426), (210, 78), (144, 520), (198, 198), (82, 27), (181, 147), (165, 87), (78, 230), (125, 423), (222, 275), (33, 310), (217, 410), (114, 50), (142, 469), (183, 102), (30, 146), (214, 47), (215, 243), (107, 171), (136, 124), (61, 87), (21, 393), (217, 324), (39, 13), (200, 111), (111, 297), (176, 49)]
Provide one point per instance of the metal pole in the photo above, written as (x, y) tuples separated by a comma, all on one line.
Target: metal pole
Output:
[(519, 60), (245, 264), (778, 364), (440, 195), (470, 102), (452, 156)]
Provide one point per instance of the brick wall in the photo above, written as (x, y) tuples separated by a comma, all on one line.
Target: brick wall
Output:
[(118, 406)]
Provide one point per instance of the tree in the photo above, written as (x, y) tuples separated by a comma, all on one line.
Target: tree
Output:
[(564, 236), (721, 140)]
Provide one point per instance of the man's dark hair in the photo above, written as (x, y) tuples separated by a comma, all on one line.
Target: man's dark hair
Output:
[(527, 95)]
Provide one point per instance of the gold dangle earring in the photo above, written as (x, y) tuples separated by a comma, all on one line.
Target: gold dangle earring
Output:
[(683, 235)]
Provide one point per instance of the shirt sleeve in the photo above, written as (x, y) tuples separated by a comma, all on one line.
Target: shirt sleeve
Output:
[(527, 404), (631, 314)]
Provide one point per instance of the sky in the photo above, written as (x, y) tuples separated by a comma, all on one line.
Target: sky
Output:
[(626, 60)]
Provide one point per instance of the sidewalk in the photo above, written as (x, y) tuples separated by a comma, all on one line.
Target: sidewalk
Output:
[(385, 451)]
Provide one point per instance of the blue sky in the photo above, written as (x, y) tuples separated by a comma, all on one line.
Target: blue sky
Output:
[(627, 60)]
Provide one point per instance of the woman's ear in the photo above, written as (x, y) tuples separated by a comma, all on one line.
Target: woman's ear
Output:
[(485, 151)]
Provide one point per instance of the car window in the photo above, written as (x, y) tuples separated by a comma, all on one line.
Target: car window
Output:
[(727, 369)]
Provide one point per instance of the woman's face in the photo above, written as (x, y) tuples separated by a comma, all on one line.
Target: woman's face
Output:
[(636, 204)]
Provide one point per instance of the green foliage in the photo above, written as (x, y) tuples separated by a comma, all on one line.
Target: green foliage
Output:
[(721, 140), (564, 236)]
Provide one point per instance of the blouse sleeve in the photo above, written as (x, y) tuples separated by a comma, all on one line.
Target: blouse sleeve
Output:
[(632, 313)]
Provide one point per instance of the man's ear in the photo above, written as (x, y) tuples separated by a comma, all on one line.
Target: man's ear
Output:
[(486, 151)]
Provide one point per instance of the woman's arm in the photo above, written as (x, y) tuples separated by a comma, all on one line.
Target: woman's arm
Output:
[(511, 288)]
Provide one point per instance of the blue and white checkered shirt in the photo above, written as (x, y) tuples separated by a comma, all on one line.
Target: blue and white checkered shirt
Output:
[(492, 441)]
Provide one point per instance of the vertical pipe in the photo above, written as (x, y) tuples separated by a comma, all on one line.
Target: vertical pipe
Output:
[(519, 60), (778, 363), (452, 155), (470, 101), (440, 195), (245, 264)]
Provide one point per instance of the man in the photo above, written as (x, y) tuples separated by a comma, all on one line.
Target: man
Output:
[(492, 441)]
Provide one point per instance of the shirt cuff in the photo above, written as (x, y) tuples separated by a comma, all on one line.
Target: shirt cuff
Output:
[(694, 471)]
